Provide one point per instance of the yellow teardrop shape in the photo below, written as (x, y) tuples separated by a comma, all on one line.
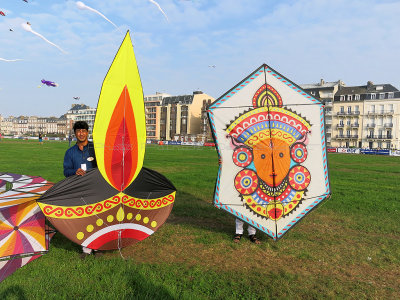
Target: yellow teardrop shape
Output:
[(120, 214)]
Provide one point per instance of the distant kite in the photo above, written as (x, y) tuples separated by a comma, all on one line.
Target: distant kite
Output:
[(83, 6), (159, 7), (9, 60), (27, 26), (212, 66), (3, 14), (48, 83), (76, 98), (25, 1)]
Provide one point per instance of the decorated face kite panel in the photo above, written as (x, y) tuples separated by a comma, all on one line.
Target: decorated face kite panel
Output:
[(270, 145), (270, 139)]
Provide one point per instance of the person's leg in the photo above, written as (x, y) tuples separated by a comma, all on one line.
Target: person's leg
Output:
[(86, 250), (238, 231), (251, 230), (239, 226), (252, 235)]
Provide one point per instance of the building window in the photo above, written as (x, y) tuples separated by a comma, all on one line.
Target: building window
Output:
[(342, 109), (356, 97), (342, 98), (390, 95), (349, 97), (373, 96), (372, 108)]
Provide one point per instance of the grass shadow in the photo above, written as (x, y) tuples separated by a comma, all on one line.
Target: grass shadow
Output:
[(13, 292)]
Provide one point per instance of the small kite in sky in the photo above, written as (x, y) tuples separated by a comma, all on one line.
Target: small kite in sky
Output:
[(27, 26), (159, 7), (48, 83), (212, 66), (25, 1), (76, 98), (9, 60), (11, 29), (83, 6), (2, 13)]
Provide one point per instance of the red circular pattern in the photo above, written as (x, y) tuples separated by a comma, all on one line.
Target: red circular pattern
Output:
[(299, 178), (299, 153), (242, 157), (246, 182)]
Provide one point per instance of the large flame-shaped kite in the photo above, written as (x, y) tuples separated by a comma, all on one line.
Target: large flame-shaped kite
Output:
[(270, 138), (121, 202), (23, 234)]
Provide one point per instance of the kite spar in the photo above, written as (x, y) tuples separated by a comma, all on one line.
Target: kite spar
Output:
[(270, 137)]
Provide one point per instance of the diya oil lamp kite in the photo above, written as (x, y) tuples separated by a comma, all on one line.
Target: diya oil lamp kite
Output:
[(270, 137), (121, 202)]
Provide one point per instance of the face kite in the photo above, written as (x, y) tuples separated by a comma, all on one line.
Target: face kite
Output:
[(270, 138)]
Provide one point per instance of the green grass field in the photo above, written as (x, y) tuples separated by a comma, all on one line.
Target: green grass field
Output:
[(349, 247)]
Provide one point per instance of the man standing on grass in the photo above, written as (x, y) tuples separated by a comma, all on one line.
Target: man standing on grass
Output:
[(80, 158)]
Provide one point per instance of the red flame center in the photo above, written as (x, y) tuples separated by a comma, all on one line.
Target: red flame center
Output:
[(121, 150)]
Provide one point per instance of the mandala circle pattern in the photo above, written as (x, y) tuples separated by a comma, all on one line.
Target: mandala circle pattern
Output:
[(246, 182), (299, 178), (299, 152), (242, 157)]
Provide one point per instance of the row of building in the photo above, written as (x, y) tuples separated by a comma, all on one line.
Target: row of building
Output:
[(366, 116), (168, 117)]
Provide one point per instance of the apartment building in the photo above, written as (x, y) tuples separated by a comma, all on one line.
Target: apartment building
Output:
[(181, 116), (152, 105), (81, 112), (325, 92), (366, 116), (33, 125)]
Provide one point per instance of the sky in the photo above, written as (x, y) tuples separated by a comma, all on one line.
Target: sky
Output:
[(203, 45)]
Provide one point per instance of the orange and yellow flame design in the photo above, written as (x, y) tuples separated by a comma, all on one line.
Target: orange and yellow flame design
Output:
[(119, 133)]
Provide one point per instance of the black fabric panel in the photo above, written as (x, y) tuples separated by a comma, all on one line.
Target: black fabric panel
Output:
[(79, 190), (92, 188), (149, 184)]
